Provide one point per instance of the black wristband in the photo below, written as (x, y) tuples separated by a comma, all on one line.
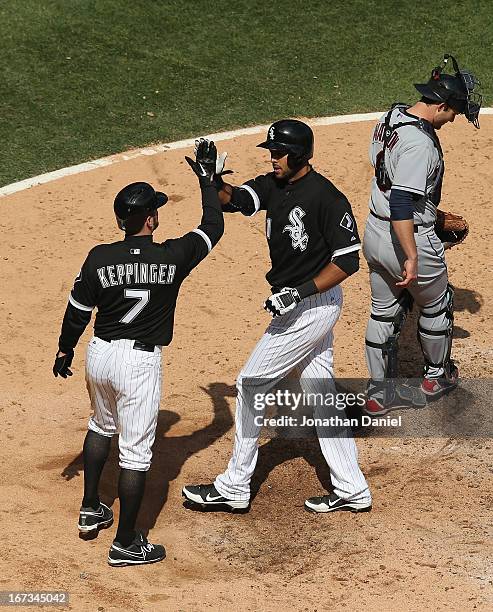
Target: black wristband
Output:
[(205, 181), (218, 181), (307, 289)]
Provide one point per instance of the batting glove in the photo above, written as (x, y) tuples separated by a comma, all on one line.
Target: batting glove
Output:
[(62, 364), (205, 162), (280, 303), (208, 164), (220, 171), (220, 158)]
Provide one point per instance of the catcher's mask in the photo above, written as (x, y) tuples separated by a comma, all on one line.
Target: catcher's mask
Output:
[(458, 90), (292, 136), (135, 199)]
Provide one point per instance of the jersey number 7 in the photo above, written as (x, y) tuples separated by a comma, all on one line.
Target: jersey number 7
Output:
[(143, 296)]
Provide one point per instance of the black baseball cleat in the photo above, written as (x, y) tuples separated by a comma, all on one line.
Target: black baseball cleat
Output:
[(91, 520), (207, 495), (139, 552), (333, 503)]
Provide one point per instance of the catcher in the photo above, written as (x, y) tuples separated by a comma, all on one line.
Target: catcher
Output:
[(406, 236)]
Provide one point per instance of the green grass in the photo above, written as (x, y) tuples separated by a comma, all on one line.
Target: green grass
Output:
[(80, 77)]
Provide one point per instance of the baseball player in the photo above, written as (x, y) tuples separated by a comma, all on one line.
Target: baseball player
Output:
[(405, 257), (134, 284), (313, 243)]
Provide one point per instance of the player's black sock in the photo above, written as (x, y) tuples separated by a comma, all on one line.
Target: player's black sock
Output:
[(131, 485), (95, 453)]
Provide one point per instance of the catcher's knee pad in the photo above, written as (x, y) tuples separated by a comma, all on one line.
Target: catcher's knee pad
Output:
[(435, 327), (382, 337)]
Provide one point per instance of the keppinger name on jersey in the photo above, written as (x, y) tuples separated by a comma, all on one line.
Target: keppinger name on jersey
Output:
[(135, 274)]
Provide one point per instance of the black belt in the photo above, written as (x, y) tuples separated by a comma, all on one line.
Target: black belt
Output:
[(388, 219), (138, 345)]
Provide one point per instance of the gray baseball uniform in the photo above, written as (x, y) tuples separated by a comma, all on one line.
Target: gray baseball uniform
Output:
[(407, 156)]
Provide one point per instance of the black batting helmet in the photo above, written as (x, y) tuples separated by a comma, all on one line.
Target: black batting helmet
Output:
[(293, 136), (456, 90), (135, 199)]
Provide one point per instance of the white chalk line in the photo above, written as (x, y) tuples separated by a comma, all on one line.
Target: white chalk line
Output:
[(179, 144)]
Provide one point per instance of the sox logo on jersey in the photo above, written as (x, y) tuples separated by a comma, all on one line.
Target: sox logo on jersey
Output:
[(299, 238)]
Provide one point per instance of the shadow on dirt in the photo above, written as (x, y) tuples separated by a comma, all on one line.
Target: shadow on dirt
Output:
[(278, 451), (410, 357), (467, 299), (169, 455), (171, 452)]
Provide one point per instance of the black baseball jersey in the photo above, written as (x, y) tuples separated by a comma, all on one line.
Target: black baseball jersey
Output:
[(134, 283), (308, 224)]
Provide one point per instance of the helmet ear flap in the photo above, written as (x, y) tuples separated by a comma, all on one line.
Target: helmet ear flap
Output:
[(294, 160), (298, 156)]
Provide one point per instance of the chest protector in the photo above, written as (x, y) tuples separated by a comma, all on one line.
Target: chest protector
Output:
[(383, 179)]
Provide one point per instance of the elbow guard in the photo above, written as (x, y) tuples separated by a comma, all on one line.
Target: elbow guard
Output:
[(242, 200), (348, 263)]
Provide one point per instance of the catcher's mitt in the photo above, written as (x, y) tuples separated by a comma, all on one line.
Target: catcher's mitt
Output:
[(451, 229)]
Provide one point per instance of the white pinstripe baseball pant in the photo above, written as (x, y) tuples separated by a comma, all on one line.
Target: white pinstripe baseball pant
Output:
[(302, 340), (124, 385)]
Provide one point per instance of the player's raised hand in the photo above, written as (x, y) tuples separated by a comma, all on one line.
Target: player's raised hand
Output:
[(220, 157), (205, 161), (208, 165)]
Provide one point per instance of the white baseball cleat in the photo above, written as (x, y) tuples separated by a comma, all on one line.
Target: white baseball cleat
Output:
[(207, 495), (333, 503)]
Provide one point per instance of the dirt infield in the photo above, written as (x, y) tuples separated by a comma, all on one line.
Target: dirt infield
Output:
[(427, 543)]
